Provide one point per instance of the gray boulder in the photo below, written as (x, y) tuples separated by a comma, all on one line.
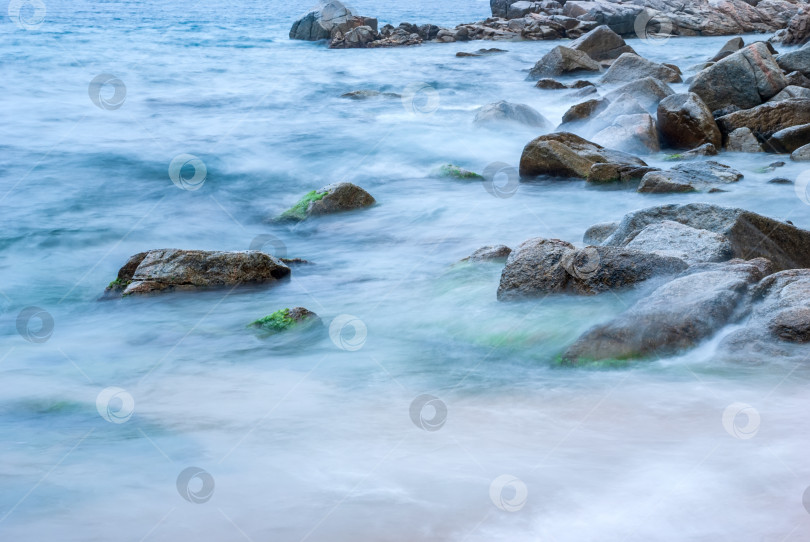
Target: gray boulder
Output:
[(690, 177), (676, 316), (648, 91), (597, 233), (790, 139), (744, 79), (564, 154), (500, 112), (767, 119), (624, 104), (685, 122), (779, 324), (732, 46), (670, 238), (743, 140), (630, 67), (797, 79), (319, 23), (791, 91), (562, 60), (540, 267), (802, 154), (795, 61), (602, 43), (165, 270), (751, 235), (635, 134)]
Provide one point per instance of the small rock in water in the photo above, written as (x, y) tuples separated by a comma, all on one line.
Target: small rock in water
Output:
[(449, 170), (490, 253), (630, 67), (335, 198), (165, 270), (366, 94), (284, 320), (503, 111), (743, 140), (780, 180), (550, 84), (801, 154), (695, 177), (562, 60)]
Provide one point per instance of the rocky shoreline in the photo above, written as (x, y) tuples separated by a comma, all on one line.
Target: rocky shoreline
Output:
[(571, 19)]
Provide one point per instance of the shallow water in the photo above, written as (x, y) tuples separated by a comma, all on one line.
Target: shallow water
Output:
[(306, 441)]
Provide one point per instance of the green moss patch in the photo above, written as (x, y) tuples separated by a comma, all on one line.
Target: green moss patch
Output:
[(455, 172), (118, 284), (299, 210), (673, 158)]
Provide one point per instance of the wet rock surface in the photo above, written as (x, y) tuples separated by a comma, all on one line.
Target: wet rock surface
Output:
[(567, 155), (690, 177)]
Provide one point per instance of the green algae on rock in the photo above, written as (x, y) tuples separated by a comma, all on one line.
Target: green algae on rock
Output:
[(449, 170), (286, 319), (335, 198)]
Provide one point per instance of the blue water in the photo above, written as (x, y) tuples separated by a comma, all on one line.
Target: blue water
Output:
[(306, 441)]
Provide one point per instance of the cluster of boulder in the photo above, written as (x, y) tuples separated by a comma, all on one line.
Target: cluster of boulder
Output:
[(706, 267), (745, 99), (558, 19)]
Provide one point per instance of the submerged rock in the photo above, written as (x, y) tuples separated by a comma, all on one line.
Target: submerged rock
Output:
[(676, 316), (285, 320), (694, 177), (489, 253), (564, 154), (366, 94), (335, 198), (648, 91), (174, 269), (499, 112), (751, 235), (631, 133), (449, 170), (685, 122), (562, 60), (539, 267)]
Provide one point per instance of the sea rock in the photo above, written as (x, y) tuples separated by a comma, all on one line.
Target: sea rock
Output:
[(797, 79), (801, 154), (795, 61), (489, 253), (550, 84), (564, 154), (635, 134), (500, 112), (648, 91), (625, 104), (630, 67), (751, 235), (798, 29), (692, 177), (732, 46), (367, 94), (670, 238), (355, 38), (319, 23), (743, 140), (676, 316), (562, 60), (707, 149), (744, 79), (285, 320), (603, 173), (685, 122), (602, 43), (174, 269), (779, 325), (597, 233), (791, 91), (583, 111), (790, 139), (335, 198), (767, 119), (542, 266)]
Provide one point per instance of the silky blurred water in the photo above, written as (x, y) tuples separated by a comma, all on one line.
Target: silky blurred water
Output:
[(305, 441)]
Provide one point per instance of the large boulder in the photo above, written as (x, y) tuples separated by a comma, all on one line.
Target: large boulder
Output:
[(648, 91), (689, 177), (779, 325), (621, 18), (767, 119), (744, 79), (790, 139), (685, 122), (539, 267), (562, 60), (630, 67), (173, 269), (602, 43), (564, 154), (500, 112), (319, 23), (635, 134), (335, 198), (751, 235), (798, 29), (791, 91), (692, 245), (743, 140), (732, 46), (676, 316)]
